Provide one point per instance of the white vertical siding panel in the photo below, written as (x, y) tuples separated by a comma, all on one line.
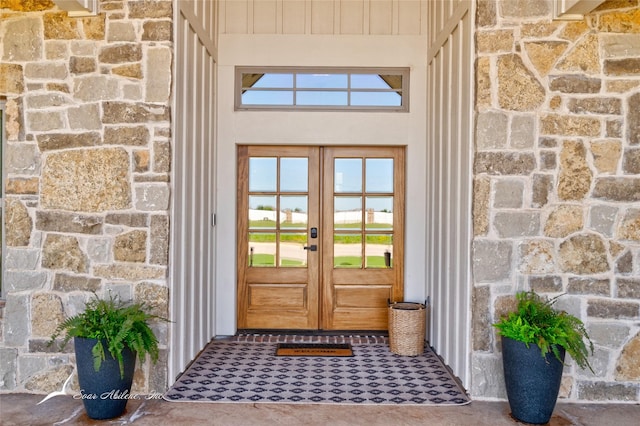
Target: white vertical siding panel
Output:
[(450, 142), (322, 17), (354, 17), (381, 17), (191, 286), (265, 17), (294, 17)]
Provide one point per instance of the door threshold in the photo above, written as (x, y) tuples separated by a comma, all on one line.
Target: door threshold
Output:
[(290, 332)]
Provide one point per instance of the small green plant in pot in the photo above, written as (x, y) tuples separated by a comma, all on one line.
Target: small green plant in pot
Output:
[(108, 336), (535, 339)]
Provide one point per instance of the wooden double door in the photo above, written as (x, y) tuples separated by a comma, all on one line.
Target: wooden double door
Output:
[(320, 236)]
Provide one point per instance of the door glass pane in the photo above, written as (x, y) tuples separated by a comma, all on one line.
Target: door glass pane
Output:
[(268, 80), (292, 252), (293, 212), (379, 175), (378, 251), (347, 251), (294, 173), (348, 175), (376, 99), (379, 213), (262, 212), (347, 213), (262, 249), (262, 174)]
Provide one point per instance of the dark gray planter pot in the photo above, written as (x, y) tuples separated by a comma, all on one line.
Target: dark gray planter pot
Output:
[(104, 393), (532, 381)]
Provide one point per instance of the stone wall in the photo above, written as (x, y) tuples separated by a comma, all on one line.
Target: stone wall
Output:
[(557, 183), (88, 163)]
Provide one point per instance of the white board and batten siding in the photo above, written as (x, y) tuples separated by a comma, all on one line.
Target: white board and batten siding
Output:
[(450, 70), (192, 290), (323, 17)]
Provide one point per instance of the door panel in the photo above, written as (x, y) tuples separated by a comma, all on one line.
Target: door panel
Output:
[(320, 244), (278, 202), (363, 220)]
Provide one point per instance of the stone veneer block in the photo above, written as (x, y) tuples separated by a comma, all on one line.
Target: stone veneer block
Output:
[(608, 334), (536, 257), (606, 155), (541, 189), (55, 141), (593, 286), (131, 136), (129, 272), (121, 53), (22, 159), (517, 224), (504, 163), (159, 247), (628, 288), (18, 224), (156, 296), (608, 106), (524, 8), (605, 391), (85, 117), (120, 31), (8, 368), (63, 252), (631, 161), (544, 54), (584, 56), (157, 31), (152, 197), (481, 318), (491, 130), (633, 119), (132, 220), (22, 280), (602, 218), (584, 254), (146, 9), (63, 222), (67, 283), (574, 84), (486, 13), (622, 67), (523, 131), (16, 320), (93, 88), (481, 195), (508, 194), (162, 157), (628, 367), (124, 112), (58, 25), (483, 82), (564, 220), (131, 247), (11, 79), (46, 314), (82, 65), (89, 180), (22, 40), (546, 284), (617, 189), (624, 264), (28, 186), (44, 121), (491, 260), (158, 78), (575, 177), (629, 227), (518, 88), (612, 309)]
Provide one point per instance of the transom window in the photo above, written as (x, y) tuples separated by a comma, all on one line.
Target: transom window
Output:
[(378, 89)]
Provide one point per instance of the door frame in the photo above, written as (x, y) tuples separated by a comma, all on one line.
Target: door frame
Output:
[(334, 289)]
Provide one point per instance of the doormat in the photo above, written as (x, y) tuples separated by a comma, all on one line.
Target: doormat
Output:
[(249, 372), (314, 349)]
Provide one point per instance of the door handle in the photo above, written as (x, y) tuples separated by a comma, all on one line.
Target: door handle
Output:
[(312, 247)]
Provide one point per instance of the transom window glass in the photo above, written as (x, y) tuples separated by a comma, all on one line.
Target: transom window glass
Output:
[(381, 89)]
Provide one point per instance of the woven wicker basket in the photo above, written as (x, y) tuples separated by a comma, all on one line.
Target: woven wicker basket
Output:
[(407, 328)]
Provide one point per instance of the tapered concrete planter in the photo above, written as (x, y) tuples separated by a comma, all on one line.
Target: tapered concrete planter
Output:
[(104, 393), (532, 381)]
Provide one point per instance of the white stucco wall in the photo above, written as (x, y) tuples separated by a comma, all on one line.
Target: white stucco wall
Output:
[(317, 128)]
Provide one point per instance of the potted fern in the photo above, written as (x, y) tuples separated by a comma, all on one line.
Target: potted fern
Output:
[(535, 339), (107, 337)]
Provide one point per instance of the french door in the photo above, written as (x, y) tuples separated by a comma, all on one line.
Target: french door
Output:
[(320, 235)]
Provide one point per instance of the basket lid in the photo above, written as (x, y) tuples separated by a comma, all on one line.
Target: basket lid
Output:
[(407, 306)]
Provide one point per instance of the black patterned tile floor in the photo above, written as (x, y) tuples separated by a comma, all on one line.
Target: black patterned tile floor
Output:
[(245, 369)]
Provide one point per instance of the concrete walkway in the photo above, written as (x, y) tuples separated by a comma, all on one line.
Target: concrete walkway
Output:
[(21, 409)]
